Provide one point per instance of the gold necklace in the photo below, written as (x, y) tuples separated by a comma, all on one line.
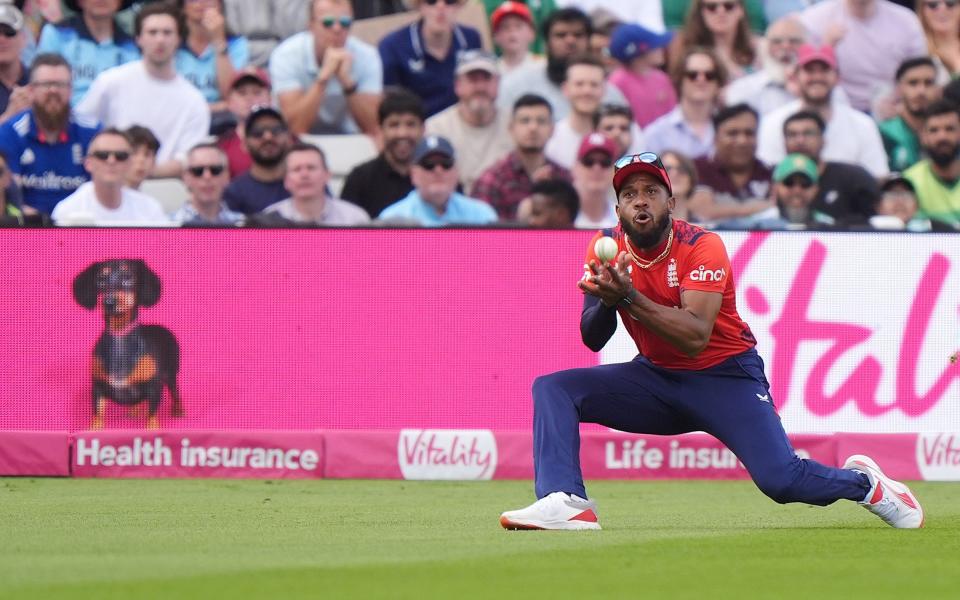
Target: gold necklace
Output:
[(644, 264)]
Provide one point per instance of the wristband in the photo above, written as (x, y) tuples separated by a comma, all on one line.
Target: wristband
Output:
[(629, 299)]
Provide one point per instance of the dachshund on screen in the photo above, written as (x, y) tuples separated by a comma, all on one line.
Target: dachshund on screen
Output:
[(132, 362)]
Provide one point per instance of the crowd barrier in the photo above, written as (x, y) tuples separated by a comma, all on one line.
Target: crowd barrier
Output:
[(342, 340)]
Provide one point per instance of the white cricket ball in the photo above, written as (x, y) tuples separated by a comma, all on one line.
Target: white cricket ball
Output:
[(606, 249)]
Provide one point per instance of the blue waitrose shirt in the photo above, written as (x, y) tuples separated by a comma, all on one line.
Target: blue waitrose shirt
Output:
[(49, 171), (461, 210), (87, 57), (406, 63), (201, 70)]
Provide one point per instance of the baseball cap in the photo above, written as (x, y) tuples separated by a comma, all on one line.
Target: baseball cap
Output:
[(629, 41), (793, 164), (250, 73), (476, 60), (260, 111), (645, 162), (508, 8), (897, 179), (809, 53), (597, 142), (11, 15), (433, 144)]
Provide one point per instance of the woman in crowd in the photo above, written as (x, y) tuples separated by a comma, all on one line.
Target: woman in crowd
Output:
[(941, 25), (721, 25), (683, 179), (210, 55)]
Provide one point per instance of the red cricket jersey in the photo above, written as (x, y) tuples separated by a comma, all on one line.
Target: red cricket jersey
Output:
[(697, 261)]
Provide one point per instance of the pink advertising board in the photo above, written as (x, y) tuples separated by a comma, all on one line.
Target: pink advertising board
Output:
[(35, 453), (410, 329)]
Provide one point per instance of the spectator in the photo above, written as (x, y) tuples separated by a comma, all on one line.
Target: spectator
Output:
[(642, 12), (897, 208), (698, 78), (268, 140), (46, 143), (768, 88), (206, 177), (434, 200), (734, 186), (917, 88), (151, 93), (591, 177), (325, 80), (553, 205), (583, 89), (307, 177), (14, 77), (640, 54), (505, 184), (211, 54), (539, 10), (758, 11), (602, 24), (513, 32), (846, 192), (265, 24), (144, 157), (422, 56), (683, 180), (851, 136), (566, 31), (940, 20), (794, 189), (722, 26), (937, 178), (105, 200), (379, 182), (474, 125), (616, 122), (250, 88), (92, 41), (870, 37)]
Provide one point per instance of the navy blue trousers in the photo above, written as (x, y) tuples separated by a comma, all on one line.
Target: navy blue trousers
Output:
[(730, 401)]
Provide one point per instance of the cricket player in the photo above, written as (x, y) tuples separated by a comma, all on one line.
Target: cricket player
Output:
[(697, 370)]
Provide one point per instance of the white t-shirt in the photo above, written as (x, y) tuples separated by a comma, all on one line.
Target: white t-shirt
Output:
[(851, 137), (82, 208), (172, 109), (476, 148)]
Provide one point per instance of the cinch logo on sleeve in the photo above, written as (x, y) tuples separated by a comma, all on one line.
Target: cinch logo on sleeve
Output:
[(704, 274)]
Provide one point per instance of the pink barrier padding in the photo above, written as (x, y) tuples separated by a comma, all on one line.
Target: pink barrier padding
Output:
[(239, 454), (35, 453), (515, 453), (361, 455), (898, 454)]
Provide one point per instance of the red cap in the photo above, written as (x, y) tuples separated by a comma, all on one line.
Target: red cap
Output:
[(808, 53), (250, 73), (597, 142), (517, 9)]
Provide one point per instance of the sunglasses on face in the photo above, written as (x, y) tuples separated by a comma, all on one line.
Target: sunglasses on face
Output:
[(199, 170), (593, 162), (692, 75), (104, 155), (798, 181), (935, 4), (344, 21), (715, 6), (259, 132), (444, 163), (7, 31), (447, 2)]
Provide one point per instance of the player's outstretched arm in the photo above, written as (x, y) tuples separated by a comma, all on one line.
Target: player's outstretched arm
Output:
[(687, 328), (597, 323)]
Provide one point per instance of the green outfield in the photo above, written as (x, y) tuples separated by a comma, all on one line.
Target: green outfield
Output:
[(63, 538)]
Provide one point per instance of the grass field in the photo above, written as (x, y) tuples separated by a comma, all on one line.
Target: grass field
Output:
[(74, 538)]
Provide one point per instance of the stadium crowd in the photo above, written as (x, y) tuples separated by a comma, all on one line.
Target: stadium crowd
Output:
[(786, 114)]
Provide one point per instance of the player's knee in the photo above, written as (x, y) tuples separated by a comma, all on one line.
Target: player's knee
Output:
[(550, 388), (779, 487)]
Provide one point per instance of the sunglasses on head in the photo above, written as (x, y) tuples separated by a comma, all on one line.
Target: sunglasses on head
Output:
[(344, 21), (198, 170), (447, 2), (935, 4), (715, 6), (645, 157), (693, 75), (444, 163), (7, 31), (104, 155), (259, 132), (593, 162), (798, 181)]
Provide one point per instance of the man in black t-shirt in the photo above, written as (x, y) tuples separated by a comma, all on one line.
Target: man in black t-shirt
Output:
[(268, 139)]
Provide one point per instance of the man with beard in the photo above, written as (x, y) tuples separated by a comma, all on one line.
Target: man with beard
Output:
[(567, 32), (768, 88), (937, 179), (697, 370), (268, 139), (474, 125), (851, 136), (511, 179), (917, 88), (794, 190), (45, 143), (250, 88), (381, 181)]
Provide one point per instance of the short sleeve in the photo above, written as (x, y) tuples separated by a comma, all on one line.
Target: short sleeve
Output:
[(239, 52), (389, 61), (707, 267), (368, 70), (283, 69), (49, 40)]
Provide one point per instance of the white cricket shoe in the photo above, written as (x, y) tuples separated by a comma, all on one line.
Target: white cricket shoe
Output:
[(889, 499), (558, 510)]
